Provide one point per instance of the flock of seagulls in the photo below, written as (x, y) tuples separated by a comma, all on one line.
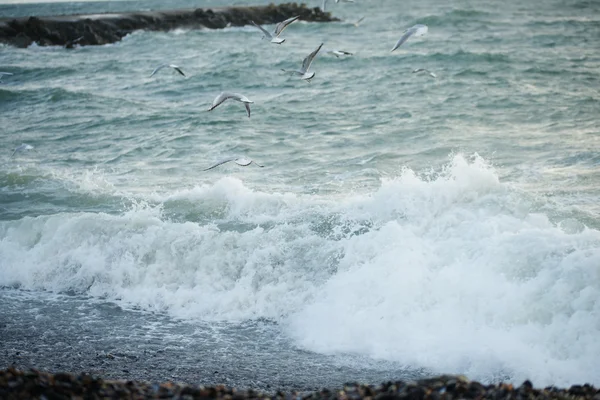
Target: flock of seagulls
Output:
[(303, 73)]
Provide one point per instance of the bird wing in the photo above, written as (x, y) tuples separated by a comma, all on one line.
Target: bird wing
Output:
[(157, 69), (21, 147), (425, 70), (219, 99), (240, 97), (176, 68), (407, 33), (244, 162), (420, 29), (247, 105), (359, 21), (282, 25), (309, 59), (324, 4), (220, 163), (267, 34)]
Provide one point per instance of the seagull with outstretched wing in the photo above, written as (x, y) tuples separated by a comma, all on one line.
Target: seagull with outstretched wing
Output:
[(303, 71), (416, 71), (416, 30), (175, 67), (242, 161), (357, 23), (274, 37), (339, 53), (20, 148), (233, 96)]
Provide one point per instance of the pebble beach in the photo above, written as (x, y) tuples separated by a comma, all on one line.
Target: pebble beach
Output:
[(33, 384)]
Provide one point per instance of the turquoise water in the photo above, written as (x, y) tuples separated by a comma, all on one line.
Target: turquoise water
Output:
[(449, 225)]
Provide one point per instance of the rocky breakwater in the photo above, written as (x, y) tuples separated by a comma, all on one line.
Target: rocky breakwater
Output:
[(109, 28), (32, 384)]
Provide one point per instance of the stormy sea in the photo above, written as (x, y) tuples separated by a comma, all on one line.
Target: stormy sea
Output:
[(403, 225)]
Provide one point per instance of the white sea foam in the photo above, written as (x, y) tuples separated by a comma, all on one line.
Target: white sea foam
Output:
[(453, 273), (462, 281)]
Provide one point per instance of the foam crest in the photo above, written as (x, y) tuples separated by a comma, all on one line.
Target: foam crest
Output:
[(457, 278), (450, 271), (187, 269), (238, 202)]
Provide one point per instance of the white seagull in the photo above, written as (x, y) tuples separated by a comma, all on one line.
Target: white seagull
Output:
[(244, 162), (339, 53), (21, 147), (234, 96), (336, 1), (303, 72), (425, 70), (175, 67), (357, 23), (417, 30), (2, 74), (69, 44), (274, 38)]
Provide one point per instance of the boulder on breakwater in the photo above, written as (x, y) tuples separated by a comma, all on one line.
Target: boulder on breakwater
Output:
[(32, 384), (109, 28)]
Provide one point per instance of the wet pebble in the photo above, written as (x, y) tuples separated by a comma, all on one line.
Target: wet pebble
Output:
[(33, 384)]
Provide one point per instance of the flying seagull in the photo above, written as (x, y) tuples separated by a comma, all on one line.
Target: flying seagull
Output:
[(234, 96), (425, 70), (244, 162), (175, 67), (336, 1), (2, 74), (21, 147), (339, 53), (70, 43), (417, 30), (274, 38), (303, 72), (357, 23)]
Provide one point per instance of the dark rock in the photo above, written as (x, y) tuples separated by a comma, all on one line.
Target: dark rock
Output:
[(109, 28)]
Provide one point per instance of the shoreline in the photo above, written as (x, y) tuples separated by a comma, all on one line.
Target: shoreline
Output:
[(98, 29), (17, 384)]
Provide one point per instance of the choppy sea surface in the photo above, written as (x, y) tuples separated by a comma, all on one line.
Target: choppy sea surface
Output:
[(402, 226)]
